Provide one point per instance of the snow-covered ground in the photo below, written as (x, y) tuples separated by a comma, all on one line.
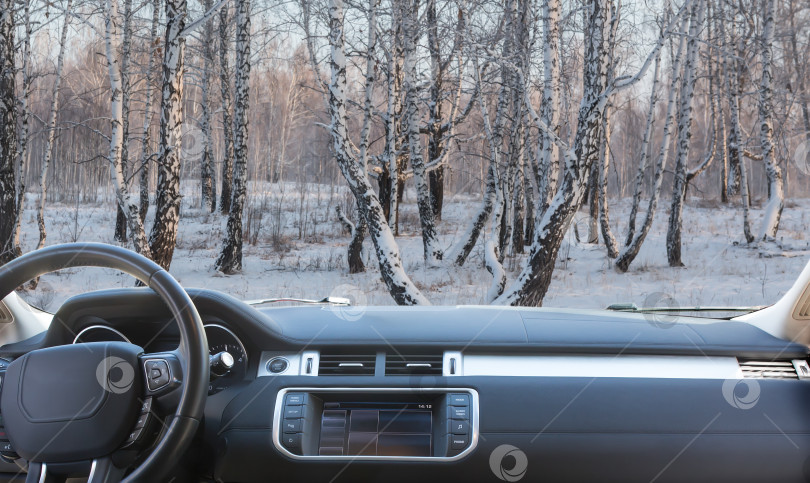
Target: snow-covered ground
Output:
[(295, 247)]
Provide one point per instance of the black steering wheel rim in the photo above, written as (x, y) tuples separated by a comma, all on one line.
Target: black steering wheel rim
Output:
[(193, 343)]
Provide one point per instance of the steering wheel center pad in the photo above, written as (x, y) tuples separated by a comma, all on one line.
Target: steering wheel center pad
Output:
[(74, 402)]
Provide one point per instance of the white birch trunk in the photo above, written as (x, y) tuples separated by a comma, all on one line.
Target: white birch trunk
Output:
[(230, 258), (732, 88), (776, 195), (146, 150), (125, 199), (410, 26), (208, 196), (51, 127), (646, 151), (604, 214), (24, 151), (684, 136), (532, 284), (393, 273), (629, 253), (548, 157), (227, 107), (120, 233), (163, 237), (8, 131)]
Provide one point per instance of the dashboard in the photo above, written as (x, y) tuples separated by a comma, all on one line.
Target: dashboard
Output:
[(443, 393)]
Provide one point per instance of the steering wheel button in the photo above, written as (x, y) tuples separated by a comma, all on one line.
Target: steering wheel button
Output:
[(142, 420), (146, 405), (134, 435), (158, 374)]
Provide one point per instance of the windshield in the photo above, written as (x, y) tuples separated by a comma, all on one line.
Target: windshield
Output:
[(483, 156)]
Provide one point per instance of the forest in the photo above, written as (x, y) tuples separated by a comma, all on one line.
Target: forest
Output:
[(494, 134)]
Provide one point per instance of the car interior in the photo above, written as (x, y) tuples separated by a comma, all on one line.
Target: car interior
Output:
[(166, 383)]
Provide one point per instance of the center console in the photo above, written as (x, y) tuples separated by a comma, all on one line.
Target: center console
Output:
[(376, 423)]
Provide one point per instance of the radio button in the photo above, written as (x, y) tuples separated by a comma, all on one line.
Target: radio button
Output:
[(458, 399), (458, 412), (292, 442), (459, 441), (293, 412), (455, 426), (292, 425)]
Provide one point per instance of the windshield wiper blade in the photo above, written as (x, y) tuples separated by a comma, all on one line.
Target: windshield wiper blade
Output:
[(634, 308), (326, 300)]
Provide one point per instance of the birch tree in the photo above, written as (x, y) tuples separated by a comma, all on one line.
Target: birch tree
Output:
[(207, 176), (776, 195), (226, 108), (163, 237), (604, 150), (8, 130), (51, 126), (230, 257), (24, 153), (146, 150), (684, 136), (126, 93), (494, 138), (548, 153), (358, 232), (630, 251), (410, 26), (533, 281), (738, 176), (799, 69), (646, 149), (129, 201), (397, 281)]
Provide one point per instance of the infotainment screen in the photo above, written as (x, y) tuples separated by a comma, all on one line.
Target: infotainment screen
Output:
[(376, 429)]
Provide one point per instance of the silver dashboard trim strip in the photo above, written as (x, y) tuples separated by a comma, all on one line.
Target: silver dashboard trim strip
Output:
[(474, 423), (603, 366)]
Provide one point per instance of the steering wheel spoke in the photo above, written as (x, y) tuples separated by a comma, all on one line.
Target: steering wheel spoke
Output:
[(103, 470)]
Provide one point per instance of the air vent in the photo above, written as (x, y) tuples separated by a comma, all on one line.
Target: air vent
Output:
[(347, 364), (403, 364), (768, 369)]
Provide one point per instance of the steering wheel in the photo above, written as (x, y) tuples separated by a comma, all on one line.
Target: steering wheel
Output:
[(69, 405)]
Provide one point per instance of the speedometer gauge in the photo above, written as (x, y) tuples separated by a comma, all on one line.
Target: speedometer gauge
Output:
[(222, 339)]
